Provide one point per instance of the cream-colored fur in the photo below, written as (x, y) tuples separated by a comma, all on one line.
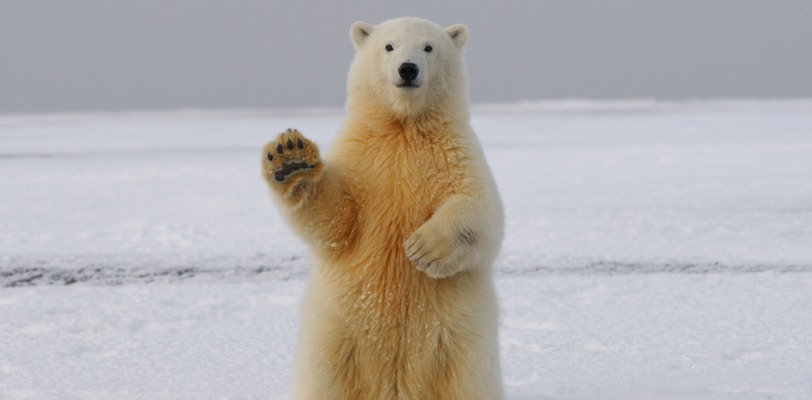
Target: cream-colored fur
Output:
[(404, 222)]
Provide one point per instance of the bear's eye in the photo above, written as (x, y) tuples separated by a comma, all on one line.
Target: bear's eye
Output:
[(428, 48), (389, 47)]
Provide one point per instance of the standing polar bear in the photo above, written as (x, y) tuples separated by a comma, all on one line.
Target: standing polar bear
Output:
[(404, 222)]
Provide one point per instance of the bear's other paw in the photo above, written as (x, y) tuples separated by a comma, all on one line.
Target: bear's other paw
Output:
[(434, 252), (290, 158)]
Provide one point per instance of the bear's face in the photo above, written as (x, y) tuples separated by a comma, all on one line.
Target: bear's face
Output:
[(407, 64)]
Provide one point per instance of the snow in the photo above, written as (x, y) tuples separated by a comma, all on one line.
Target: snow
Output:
[(653, 251)]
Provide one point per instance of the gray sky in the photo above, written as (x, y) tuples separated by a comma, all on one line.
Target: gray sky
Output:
[(82, 55)]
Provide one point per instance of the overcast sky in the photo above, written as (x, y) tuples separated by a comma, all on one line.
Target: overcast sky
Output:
[(82, 55)]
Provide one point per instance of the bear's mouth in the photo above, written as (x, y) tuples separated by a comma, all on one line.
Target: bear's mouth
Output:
[(408, 85)]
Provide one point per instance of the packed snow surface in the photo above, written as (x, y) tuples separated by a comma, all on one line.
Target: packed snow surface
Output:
[(652, 251)]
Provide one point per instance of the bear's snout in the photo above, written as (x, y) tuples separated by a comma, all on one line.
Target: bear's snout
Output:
[(408, 72)]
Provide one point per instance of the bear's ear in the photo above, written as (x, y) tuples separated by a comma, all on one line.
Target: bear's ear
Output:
[(359, 32), (458, 33)]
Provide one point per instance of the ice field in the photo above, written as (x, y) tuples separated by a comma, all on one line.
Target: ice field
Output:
[(653, 251)]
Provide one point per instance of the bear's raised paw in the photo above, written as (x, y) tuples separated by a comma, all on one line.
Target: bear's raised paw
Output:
[(290, 155)]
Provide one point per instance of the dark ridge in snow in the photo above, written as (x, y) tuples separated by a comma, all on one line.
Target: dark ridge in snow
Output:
[(640, 268), (100, 276), (27, 273), (111, 276), (120, 270)]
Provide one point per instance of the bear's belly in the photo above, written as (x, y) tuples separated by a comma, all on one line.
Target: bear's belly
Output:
[(384, 293), (400, 325)]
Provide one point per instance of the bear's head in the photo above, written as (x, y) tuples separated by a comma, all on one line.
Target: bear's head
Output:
[(407, 66)]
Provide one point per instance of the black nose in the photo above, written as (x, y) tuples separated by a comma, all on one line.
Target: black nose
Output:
[(408, 71)]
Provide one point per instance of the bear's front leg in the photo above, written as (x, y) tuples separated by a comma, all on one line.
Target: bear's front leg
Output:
[(291, 165), (448, 242), (313, 196)]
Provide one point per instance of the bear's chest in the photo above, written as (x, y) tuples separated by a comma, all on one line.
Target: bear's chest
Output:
[(407, 177)]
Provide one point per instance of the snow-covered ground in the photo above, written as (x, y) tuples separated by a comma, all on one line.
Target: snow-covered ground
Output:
[(652, 251)]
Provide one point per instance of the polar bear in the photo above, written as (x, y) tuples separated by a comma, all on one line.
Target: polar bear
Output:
[(404, 222)]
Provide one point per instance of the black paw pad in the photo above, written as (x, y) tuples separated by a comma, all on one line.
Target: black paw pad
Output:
[(279, 148), (290, 144), (299, 144), (270, 157), (282, 173)]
